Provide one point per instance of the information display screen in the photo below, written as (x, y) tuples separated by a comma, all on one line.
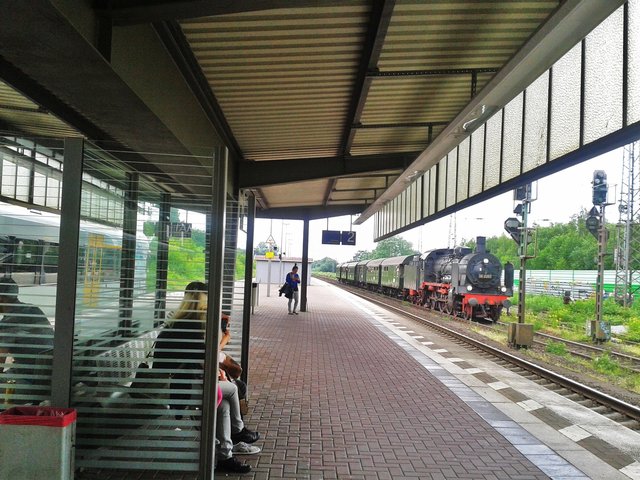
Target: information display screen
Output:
[(331, 237)]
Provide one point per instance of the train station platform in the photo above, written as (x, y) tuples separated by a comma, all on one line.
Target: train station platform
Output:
[(344, 391)]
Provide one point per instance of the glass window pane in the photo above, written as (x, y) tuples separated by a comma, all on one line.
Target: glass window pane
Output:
[(23, 183), (512, 138), (535, 123), (53, 192), (39, 188), (603, 79), (633, 76), (565, 104), (492, 151), (477, 161), (463, 169), (452, 176), (8, 178)]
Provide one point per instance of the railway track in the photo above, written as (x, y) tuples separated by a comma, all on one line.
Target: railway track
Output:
[(602, 403)]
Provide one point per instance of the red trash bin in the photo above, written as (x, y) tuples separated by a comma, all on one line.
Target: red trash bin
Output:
[(37, 443)]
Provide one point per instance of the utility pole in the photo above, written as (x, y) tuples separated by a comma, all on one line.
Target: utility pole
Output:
[(627, 253)]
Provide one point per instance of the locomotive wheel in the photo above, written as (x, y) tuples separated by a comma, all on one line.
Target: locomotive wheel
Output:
[(467, 313), (446, 308)]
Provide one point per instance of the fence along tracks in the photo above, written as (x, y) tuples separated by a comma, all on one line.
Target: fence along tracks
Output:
[(626, 410)]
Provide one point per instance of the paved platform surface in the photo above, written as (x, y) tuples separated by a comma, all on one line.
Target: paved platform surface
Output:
[(337, 394)]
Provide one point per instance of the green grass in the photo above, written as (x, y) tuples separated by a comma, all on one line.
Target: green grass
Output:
[(606, 365), (556, 348), (330, 275)]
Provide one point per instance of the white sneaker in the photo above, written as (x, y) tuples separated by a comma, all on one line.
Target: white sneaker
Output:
[(242, 448)]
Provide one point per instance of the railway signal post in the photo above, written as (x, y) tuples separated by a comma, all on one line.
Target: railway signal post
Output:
[(521, 334), (600, 332)]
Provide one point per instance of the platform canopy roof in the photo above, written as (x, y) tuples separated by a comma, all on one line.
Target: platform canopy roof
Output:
[(323, 104)]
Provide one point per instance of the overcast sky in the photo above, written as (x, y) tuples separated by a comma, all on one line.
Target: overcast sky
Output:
[(560, 196)]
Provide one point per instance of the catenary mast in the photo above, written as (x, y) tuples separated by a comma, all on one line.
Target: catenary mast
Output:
[(627, 255)]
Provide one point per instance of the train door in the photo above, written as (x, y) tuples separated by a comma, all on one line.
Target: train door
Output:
[(93, 269)]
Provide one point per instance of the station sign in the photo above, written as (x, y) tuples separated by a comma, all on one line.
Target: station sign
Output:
[(348, 238), (181, 229), (331, 237), (336, 237)]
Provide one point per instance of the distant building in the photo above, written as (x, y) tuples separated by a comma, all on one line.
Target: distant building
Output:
[(279, 269)]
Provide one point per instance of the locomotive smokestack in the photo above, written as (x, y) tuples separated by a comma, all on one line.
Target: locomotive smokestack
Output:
[(481, 244)]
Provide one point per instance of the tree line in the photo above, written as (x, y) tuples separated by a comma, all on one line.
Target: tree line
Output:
[(559, 246)]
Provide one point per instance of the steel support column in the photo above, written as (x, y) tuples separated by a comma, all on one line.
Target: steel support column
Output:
[(305, 265), (128, 258), (248, 286), (67, 273), (214, 309), (162, 265)]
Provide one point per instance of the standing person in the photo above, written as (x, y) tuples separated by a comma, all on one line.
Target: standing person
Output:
[(25, 333), (293, 279)]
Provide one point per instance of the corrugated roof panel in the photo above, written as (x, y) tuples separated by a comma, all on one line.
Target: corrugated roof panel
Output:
[(302, 194), (27, 117), (347, 183), (459, 34), (284, 78)]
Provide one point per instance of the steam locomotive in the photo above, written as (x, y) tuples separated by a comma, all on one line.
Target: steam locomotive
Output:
[(457, 281)]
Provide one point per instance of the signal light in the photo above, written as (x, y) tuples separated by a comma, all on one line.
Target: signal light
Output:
[(512, 225), (600, 187), (522, 192), (593, 225)]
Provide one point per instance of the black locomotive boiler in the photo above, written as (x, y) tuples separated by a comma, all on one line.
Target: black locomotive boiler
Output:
[(458, 281)]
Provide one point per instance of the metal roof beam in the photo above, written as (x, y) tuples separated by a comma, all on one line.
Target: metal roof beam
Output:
[(375, 73), (400, 125), (180, 51), (131, 12), (312, 213), (273, 172), (380, 18)]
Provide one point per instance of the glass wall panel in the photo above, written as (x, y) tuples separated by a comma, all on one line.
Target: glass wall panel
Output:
[(512, 145), (477, 161), (418, 211), (633, 75), (565, 104), (139, 343), (433, 179), (493, 149), (426, 194), (603, 78), (442, 184), (29, 245), (463, 169), (452, 176), (535, 123)]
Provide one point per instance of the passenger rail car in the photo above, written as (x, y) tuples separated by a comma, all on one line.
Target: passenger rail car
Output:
[(457, 281)]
